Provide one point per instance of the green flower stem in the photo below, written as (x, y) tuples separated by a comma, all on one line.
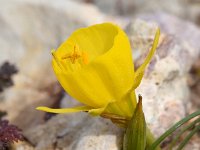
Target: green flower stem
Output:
[(172, 129), (182, 131), (188, 137), (123, 121), (135, 135), (150, 139)]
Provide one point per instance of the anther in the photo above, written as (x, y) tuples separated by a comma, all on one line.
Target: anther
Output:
[(75, 55)]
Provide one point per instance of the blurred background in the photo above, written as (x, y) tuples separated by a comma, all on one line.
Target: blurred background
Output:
[(30, 29)]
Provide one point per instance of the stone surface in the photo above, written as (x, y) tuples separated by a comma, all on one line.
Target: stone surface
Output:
[(186, 9), (165, 91), (29, 33), (84, 132), (30, 29)]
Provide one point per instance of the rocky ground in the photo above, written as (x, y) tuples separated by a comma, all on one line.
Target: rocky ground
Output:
[(170, 88)]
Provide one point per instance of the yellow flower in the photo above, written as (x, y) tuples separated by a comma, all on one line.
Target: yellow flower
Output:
[(95, 67)]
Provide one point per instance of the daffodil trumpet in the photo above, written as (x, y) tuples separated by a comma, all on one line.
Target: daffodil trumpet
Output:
[(95, 66)]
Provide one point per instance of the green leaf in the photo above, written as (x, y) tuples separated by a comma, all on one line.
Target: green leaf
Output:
[(135, 136), (188, 137), (172, 129), (182, 131)]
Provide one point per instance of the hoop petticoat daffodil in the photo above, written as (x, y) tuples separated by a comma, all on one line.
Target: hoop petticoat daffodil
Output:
[(95, 67)]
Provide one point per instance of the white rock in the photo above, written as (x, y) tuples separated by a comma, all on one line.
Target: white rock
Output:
[(30, 29)]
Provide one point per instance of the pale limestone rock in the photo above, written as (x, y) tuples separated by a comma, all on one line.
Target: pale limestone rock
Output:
[(75, 132), (22, 146), (141, 36), (165, 91), (33, 28), (132, 7), (29, 32), (186, 9)]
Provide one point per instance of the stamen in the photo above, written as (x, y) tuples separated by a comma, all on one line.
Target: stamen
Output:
[(85, 58), (76, 55)]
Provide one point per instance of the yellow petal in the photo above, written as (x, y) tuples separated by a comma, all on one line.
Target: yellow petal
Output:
[(64, 110), (124, 107), (98, 111), (94, 112), (140, 71), (108, 74), (94, 40)]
